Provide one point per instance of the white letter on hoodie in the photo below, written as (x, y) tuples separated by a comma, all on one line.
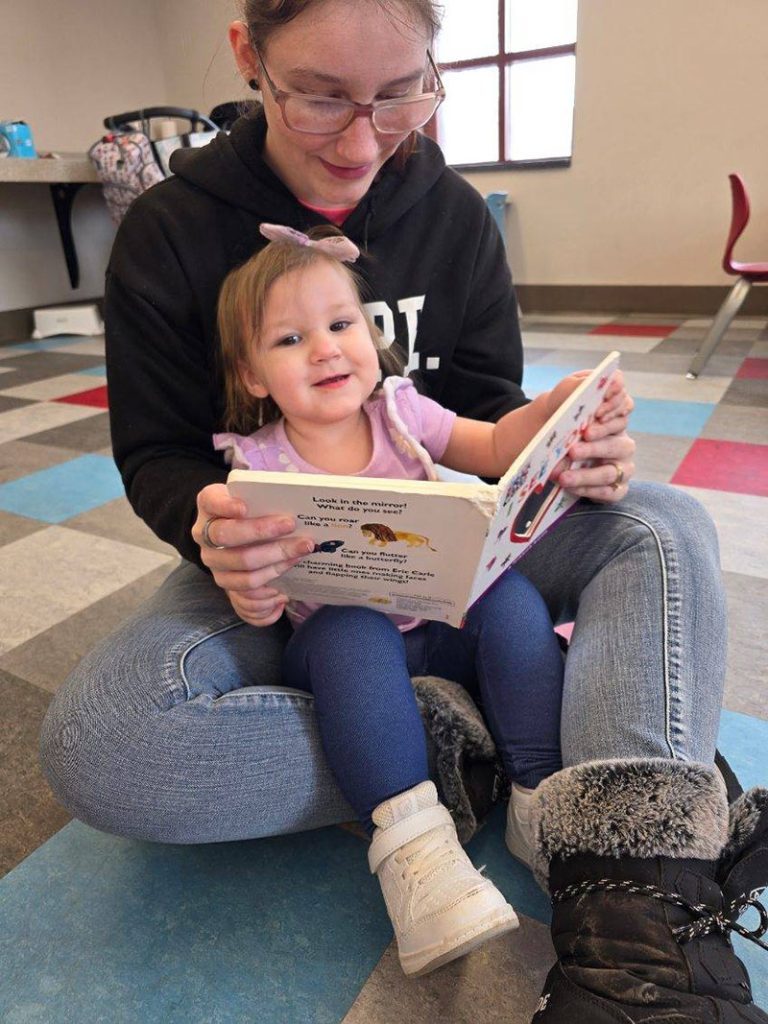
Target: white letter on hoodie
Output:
[(411, 307)]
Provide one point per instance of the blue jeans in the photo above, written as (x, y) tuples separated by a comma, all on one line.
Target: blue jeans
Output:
[(178, 728), (358, 666)]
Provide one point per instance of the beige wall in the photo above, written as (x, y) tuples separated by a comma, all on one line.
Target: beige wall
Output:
[(670, 97)]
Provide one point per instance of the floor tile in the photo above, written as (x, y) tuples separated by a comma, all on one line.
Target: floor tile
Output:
[(48, 389), (8, 402), (498, 984), (738, 423), (689, 342), (581, 320), (15, 527), (657, 456), (28, 813), (759, 350), (89, 434), (725, 466), (678, 419), (48, 657), (39, 365), (635, 330), (746, 688), (92, 396), (740, 520), (60, 492), (539, 377), (590, 342), (672, 387), (85, 568), (754, 369), (20, 458), (116, 520), (279, 931), (747, 392), (95, 371), (30, 419), (739, 323), (676, 363)]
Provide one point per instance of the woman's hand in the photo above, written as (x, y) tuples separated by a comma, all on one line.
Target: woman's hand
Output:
[(607, 446), (246, 555)]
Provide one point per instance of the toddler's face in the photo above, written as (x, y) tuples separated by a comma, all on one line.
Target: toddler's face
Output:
[(314, 356)]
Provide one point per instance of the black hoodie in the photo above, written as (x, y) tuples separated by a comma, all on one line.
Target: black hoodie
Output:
[(432, 257)]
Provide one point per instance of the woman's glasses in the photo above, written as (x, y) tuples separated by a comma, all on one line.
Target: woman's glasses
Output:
[(325, 115)]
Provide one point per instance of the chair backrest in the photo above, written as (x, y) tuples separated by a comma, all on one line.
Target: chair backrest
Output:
[(739, 219)]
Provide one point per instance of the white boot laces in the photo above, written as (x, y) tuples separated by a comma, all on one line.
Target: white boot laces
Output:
[(436, 855)]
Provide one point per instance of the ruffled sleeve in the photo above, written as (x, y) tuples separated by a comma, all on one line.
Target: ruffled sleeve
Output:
[(240, 452)]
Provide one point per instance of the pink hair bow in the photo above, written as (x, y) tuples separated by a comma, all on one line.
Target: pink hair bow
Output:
[(336, 245)]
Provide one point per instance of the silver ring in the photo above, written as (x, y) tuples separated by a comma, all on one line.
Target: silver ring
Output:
[(207, 537)]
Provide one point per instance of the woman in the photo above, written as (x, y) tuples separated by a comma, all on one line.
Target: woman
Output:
[(177, 728)]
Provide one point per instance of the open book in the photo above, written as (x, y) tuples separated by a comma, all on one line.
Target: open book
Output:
[(419, 547)]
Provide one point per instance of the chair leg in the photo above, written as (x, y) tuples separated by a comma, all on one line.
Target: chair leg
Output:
[(720, 325)]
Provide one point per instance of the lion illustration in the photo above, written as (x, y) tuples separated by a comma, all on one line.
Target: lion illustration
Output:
[(381, 535)]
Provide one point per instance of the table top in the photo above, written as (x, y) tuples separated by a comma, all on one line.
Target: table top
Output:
[(66, 167)]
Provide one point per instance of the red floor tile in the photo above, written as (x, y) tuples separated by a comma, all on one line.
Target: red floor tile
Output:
[(754, 369), (636, 330), (95, 396), (725, 466)]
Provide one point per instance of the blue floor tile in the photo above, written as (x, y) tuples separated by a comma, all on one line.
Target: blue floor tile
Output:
[(44, 344), (543, 378), (60, 492), (94, 371), (676, 419), (95, 929)]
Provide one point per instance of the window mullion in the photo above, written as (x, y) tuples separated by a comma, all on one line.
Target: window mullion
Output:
[(502, 91)]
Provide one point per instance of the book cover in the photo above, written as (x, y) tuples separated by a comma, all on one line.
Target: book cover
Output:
[(420, 547)]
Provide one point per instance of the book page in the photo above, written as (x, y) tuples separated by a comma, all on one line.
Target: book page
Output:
[(400, 546), (529, 502)]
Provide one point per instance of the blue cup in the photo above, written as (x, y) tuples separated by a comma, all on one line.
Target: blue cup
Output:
[(16, 140)]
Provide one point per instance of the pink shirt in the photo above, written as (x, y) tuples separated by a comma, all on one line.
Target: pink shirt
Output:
[(394, 455)]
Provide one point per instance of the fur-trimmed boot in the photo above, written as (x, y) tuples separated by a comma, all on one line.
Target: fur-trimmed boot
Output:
[(647, 883), (440, 906)]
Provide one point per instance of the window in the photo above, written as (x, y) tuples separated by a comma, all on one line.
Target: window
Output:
[(509, 69)]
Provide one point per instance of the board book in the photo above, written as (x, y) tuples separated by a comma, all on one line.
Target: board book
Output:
[(420, 547)]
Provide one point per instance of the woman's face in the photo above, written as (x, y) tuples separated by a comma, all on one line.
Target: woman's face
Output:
[(347, 49)]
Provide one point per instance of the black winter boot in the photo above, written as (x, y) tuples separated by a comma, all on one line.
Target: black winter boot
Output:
[(647, 882)]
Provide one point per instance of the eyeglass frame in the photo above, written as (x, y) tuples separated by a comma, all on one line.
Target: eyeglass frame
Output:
[(280, 96)]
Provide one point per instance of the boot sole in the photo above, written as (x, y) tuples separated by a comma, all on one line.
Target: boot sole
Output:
[(426, 960)]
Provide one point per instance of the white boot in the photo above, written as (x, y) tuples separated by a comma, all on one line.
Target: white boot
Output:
[(440, 906), (519, 834)]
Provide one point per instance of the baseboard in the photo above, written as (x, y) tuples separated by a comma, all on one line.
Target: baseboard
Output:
[(675, 300), (16, 324)]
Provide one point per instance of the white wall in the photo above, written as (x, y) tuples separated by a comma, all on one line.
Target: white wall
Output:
[(670, 97), (63, 68)]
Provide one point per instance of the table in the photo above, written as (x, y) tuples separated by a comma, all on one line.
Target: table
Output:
[(65, 175)]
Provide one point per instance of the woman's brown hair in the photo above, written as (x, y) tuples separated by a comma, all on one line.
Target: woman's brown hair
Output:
[(263, 17), (242, 301)]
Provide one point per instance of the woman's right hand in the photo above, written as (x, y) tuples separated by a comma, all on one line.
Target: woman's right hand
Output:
[(254, 553)]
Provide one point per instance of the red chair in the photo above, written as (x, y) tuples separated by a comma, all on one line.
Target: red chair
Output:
[(747, 274)]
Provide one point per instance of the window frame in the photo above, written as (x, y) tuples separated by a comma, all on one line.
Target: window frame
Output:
[(501, 60)]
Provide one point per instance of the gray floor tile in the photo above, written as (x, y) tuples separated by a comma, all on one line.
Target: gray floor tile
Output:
[(39, 365), (86, 435), (28, 812), (738, 423), (13, 527), (19, 458), (499, 983), (688, 340), (7, 402), (746, 687), (117, 521), (48, 658), (747, 392), (658, 456)]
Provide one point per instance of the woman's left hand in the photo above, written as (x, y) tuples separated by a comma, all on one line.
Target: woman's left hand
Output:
[(608, 447)]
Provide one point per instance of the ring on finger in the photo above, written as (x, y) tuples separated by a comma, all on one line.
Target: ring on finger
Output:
[(207, 536), (619, 479)]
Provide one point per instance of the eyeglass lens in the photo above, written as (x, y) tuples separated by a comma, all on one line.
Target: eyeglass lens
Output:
[(315, 115)]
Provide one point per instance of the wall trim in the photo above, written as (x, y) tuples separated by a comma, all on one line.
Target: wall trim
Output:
[(677, 300)]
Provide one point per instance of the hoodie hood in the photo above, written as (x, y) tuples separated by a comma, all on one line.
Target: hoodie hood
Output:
[(231, 168)]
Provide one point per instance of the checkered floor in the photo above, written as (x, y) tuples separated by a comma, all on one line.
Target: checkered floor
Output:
[(95, 928)]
